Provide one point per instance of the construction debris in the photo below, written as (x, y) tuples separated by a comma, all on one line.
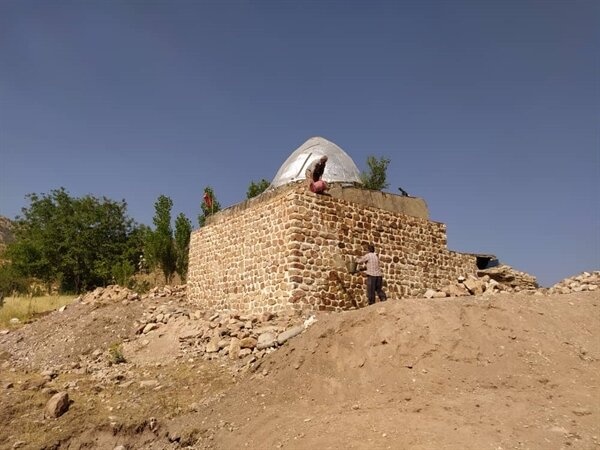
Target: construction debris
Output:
[(586, 281)]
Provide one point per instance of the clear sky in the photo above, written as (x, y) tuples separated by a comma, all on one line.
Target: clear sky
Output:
[(489, 110)]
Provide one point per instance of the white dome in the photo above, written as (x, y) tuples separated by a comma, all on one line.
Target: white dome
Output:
[(340, 167)]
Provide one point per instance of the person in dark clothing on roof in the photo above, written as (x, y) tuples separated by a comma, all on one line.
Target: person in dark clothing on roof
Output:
[(314, 174)]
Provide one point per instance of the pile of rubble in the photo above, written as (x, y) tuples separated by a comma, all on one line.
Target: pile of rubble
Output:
[(244, 339), (111, 293), (238, 342), (586, 281), (116, 293), (240, 339), (498, 279), (510, 279), (178, 292)]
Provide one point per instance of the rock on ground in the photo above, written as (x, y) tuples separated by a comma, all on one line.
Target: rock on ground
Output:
[(57, 405)]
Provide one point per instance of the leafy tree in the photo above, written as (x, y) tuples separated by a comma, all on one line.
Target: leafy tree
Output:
[(130, 261), (122, 272), (209, 205), (376, 177), (72, 241), (134, 251), (257, 188), (159, 243), (12, 281), (183, 231)]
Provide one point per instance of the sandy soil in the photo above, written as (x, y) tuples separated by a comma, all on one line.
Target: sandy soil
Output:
[(510, 371)]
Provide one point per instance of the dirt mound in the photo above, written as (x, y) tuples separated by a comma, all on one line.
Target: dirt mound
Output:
[(509, 372), (61, 340), (479, 372)]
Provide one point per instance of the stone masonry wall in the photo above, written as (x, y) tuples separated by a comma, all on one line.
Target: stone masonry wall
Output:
[(291, 250), (237, 262)]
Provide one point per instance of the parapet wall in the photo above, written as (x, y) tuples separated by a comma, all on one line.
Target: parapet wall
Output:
[(289, 249)]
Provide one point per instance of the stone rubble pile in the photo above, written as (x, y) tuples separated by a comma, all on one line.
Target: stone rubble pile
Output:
[(241, 341), (157, 314), (586, 281), (178, 292), (494, 280), (116, 293), (511, 279), (111, 293), (239, 338)]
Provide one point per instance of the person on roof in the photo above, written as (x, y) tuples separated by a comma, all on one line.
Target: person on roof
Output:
[(314, 173)]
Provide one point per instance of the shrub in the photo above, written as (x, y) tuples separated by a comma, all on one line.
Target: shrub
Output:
[(11, 282), (115, 354)]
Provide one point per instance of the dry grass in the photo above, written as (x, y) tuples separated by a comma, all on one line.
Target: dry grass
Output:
[(91, 413), (26, 308)]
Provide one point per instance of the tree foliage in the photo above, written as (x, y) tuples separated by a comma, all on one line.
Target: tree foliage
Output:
[(74, 242), (122, 272), (375, 177), (257, 188), (209, 205), (163, 248), (12, 282), (160, 249), (183, 231)]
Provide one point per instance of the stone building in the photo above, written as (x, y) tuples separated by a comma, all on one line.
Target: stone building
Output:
[(291, 249)]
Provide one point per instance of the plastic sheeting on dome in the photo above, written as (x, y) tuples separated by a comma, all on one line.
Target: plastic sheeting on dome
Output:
[(340, 167)]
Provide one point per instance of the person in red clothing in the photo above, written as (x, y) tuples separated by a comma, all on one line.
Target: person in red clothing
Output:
[(314, 174), (374, 276)]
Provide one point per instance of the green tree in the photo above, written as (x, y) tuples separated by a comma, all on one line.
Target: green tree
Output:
[(183, 231), (209, 205), (129, 263), (134, 251), (122, 272), (376, 176), (257, 188), (72, 241), (160, 249), (12, 282)]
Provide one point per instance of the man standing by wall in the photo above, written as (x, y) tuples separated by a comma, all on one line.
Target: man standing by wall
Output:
[(374, 276)]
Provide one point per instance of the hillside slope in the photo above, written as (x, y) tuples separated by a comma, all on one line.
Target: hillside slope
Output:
[(507, 372), (499, 372)]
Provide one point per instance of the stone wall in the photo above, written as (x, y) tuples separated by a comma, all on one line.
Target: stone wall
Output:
[(410, 206), (290, 249), (238, 261)]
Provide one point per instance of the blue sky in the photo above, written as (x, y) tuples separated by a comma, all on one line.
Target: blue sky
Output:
[(489, 110)]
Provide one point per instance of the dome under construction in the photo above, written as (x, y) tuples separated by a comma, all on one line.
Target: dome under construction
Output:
[(340, 168)]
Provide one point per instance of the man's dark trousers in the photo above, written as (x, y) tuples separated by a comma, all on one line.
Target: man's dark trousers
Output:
[(375, 285)]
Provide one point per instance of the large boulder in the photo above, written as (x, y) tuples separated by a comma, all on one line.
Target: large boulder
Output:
[(474, 286), (266, 340)]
